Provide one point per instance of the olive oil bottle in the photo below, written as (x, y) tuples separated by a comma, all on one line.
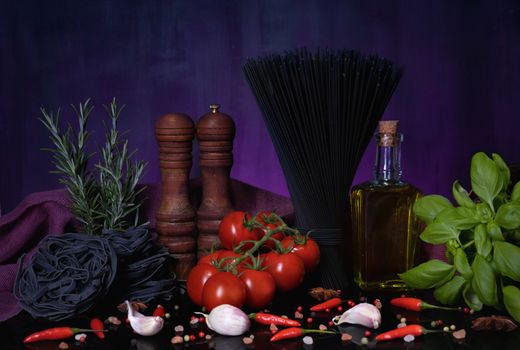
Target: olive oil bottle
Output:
[(385, 231)]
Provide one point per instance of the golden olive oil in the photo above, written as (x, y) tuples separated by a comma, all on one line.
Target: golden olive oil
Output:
[(385, 230)]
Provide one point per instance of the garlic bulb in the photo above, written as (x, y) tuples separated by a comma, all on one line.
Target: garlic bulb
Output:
[(144, 325), (364, 314), (227, 319)]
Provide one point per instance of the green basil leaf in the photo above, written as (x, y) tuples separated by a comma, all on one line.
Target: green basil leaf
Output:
[(428, 207), (461, 218), (503, 169), (507, 259), (485, 178), (484, 213), (508, 215), (439, 233), (449, 293), (512, 301), (461, 195), (471, 298), (482, 242), (462, 265), (430, 274), (494, 231), (515, 195), (484, 282)]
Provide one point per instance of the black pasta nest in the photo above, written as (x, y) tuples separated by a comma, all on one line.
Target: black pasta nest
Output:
[(66, 276), (72, 272)]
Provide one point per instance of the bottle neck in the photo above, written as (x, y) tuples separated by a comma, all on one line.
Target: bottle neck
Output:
[(387, 168)]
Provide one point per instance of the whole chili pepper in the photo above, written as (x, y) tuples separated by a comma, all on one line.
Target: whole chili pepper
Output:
[(97, 324), (415, 304), (329, 304), (295, 332), (269, 319), (159, 311), (413, 329), (56, 333)]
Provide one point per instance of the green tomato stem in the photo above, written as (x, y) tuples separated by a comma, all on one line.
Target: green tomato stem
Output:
[(255, 224), (468, 244)]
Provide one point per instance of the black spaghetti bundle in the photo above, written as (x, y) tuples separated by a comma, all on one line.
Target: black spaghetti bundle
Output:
[(321, 110)]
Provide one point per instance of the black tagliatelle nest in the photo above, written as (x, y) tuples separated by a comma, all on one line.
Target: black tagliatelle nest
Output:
[(143, 270), (71, 273), (66, 276)]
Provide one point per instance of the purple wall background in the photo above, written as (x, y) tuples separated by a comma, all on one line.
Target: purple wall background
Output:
[(460, 92)]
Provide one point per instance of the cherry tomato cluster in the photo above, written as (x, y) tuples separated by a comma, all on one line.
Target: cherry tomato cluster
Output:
[(260, 255)]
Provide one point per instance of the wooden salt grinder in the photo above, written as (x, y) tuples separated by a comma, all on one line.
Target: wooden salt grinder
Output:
[(176, 217), (215, 132)]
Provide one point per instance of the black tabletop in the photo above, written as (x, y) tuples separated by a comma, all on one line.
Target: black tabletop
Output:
[(13, 331)]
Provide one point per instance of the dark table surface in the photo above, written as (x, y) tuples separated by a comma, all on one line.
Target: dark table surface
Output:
[(14, 330)]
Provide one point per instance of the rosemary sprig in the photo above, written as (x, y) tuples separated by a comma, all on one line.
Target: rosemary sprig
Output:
[(71, 160), (110, 203), (118, 177)]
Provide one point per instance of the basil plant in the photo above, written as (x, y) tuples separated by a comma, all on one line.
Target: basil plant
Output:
[(482, 239)]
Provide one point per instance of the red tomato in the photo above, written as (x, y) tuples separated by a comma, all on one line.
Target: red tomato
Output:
[(287, 270), (197, 277), (232, 231), (210, 258), (263, 218), (265, 259), (308, 252), (223, 288), (260, 288)]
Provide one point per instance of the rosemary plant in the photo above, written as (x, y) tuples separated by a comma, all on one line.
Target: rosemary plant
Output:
[(111, 202), (118, 178)]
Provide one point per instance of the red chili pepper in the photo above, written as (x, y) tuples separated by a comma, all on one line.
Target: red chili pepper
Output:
[(415, 304), (329, 304), (413, 329), (295, 332), (56, 333), (159, 311), (269, 319), (97, 324)]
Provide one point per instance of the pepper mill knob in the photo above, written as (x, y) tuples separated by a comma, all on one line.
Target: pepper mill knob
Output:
[(214, 107), (215, 133), (176, 217)]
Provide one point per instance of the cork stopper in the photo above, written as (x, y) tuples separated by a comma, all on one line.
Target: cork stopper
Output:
[(388, 126), (388, 136)]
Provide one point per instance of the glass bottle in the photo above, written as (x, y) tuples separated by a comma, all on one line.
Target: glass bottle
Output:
[(385, 231)]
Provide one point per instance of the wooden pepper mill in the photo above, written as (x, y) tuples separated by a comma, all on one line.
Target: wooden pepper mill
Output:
[(176, 217), (215, 132)]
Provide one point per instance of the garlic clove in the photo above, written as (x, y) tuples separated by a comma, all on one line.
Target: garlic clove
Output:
[(364, 314), (227, 319), (144, 325)]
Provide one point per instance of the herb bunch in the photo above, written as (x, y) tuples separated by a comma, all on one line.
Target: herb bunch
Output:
[(482, 240), (111, 202)]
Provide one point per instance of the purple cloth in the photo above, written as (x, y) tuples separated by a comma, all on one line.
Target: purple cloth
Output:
[(21, 230), (45, 213)]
